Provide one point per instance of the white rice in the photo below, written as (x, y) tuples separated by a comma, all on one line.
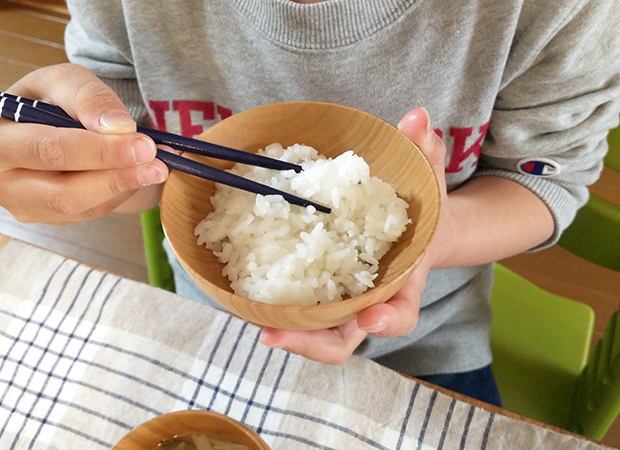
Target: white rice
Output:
[(285, 254)]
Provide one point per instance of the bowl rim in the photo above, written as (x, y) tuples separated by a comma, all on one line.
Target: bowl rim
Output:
[(125, 442)]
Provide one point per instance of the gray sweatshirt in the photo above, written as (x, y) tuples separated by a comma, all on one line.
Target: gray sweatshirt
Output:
[(521, 89)]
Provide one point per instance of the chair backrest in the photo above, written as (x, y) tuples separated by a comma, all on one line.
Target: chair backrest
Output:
[(540, 344), (596, 402), (159, 270), (612, 160), (594, 235)]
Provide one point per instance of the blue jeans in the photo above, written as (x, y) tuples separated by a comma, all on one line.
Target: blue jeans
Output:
[(479, 384)]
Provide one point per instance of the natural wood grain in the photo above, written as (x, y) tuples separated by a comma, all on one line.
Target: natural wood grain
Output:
[(331, 130), (29, 39), (612, 437), (148, 435), (608, 186), (55, 6), (30, 53), (33, 25), (12, 71)]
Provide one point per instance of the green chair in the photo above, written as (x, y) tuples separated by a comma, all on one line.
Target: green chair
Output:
[(159, 270), (594, 235), (540, 343), (612, 160), (596, 400)]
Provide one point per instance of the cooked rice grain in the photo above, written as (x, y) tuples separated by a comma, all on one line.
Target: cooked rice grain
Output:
[(289, 255)]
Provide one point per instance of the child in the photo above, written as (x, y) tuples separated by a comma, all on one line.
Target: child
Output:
[(520, 96)]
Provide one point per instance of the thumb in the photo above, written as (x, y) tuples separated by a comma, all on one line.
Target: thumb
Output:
[(99, 109), (81, 94), (416, 125)]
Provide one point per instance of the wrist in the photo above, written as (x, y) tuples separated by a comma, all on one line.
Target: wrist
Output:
[(488, 219)]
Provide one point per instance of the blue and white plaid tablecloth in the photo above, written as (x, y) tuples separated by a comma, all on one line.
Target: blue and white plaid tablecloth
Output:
[(86, 356)]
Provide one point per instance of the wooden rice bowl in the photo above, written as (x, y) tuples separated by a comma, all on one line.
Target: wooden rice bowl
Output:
[(331, 129)]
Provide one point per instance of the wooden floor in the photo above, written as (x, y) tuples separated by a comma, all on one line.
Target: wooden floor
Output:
[(31, 36)]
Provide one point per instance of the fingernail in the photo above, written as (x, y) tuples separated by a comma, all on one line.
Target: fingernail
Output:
[(150, 175), (274, 345), (143, 150), (376, 328), (428, 121), (117, 121), (267, 341), (415, 115)]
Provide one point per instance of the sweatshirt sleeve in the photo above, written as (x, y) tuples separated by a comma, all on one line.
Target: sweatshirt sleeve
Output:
[(96, 38), (559, 98)]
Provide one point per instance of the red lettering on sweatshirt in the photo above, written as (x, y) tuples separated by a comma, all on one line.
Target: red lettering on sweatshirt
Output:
[(158, 118), (223, 112), (459, 153), (184, 108)]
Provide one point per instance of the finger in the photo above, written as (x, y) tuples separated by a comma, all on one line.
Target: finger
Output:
[(81, 94), (41, 147), (32, 196), (330, 346), (416, 126), (399, 315), (92, 213)]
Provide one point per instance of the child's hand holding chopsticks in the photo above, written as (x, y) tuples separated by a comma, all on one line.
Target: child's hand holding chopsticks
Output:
[(65, 176)]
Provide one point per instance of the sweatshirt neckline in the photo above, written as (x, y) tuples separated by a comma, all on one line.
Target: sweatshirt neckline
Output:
[(322, 25)]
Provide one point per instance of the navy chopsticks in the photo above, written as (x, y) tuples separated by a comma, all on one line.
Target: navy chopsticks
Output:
[(160, 137), (20, 109)]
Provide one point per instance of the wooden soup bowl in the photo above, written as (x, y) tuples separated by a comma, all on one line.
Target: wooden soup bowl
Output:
[(217, 426)]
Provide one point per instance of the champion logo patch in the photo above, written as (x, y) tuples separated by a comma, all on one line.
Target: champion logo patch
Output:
[(540, 167)]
